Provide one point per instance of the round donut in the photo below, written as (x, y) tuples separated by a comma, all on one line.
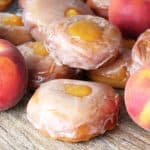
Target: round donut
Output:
[(42, 66), (141, 51), (84, 41), (72, 110), (38, 14)]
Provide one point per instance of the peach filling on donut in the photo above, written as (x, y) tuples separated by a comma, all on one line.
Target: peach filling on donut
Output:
[(13, 20), (70, 12), (85, 30), (77, 90), (39, 49)]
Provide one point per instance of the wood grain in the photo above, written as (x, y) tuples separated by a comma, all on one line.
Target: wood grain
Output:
[(16, 133)]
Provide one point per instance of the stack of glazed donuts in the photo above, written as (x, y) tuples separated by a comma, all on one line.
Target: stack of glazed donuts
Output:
[(65, 43)]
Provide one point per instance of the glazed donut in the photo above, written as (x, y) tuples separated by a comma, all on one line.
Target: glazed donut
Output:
[(141, 51), (100, 7), (72, 110), (84, 41), (38, 14), (115, 74), (42, 66), (12, 29)]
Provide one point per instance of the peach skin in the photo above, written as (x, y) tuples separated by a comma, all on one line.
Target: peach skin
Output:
[(13, 75), (137, 97), (131, 16)]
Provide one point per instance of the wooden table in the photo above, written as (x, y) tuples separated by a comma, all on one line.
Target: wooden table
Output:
[(16, 133)]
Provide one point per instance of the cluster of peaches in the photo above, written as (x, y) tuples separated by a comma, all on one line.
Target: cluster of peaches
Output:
[(72, 54)]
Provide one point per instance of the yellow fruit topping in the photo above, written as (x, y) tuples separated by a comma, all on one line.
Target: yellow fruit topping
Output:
[(85, 30), (39, 49), (77, 90), (72, 12), (13, 20)]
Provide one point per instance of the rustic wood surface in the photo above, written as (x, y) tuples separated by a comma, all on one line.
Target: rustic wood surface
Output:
[(16, 133)]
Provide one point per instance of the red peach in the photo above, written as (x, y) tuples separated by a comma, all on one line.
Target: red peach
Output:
[(13, 75), (137, 97), (131, 16)]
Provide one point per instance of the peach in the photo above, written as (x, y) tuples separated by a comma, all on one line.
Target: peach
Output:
[(131, 16), (13, 75), (137, 97)]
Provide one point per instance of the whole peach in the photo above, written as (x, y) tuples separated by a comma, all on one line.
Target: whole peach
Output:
[(137, 97), (13, 75), (131, 16)]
